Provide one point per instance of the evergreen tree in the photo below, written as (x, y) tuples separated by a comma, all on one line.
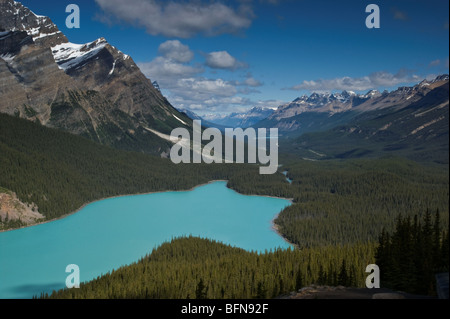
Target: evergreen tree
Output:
[(261, 292), (445, 251), (343, 278), (201, 291), (322, 278), (437, 241), (299, 280)]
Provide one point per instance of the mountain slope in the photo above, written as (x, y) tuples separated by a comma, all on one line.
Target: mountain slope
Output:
[(315, 112), (321, 112), (416, 128), (92, 89)]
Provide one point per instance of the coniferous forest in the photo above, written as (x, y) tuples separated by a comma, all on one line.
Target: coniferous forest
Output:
[(413, 253), (340, 210), (195, 268)]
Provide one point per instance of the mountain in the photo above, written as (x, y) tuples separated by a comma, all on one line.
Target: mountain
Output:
[(191, 114), (412, 122), (314, 112), (243, 120), (93, 89), (320, 112)]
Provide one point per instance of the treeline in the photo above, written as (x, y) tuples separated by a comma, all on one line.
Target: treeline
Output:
[(194, 268), (343, 202), (410, 257)]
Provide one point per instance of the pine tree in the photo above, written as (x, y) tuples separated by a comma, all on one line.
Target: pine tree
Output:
[(343, 275), (322, 279), (437, 242), (445, 251), (299, 280), (201, 291), (261, 292)]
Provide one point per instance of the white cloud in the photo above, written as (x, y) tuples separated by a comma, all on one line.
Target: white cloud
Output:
[(209, 95), (435, 62), (182, 19), (251, 81), (206, 87), (223, 60), (372, 81), (165, 71), (271, 104), (181, 81), (176, 51)]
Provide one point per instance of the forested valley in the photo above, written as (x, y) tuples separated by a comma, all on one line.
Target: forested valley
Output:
[(340, 209)]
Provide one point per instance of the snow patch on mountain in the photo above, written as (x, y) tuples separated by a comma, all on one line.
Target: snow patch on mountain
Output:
[(69, 55), (180, 120)]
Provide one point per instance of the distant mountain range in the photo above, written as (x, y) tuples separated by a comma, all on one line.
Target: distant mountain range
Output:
[(319, 112), (233, 120), (93, 89), (411, 122)]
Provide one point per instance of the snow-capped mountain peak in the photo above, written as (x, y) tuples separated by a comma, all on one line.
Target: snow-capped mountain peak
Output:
[(16, 17)]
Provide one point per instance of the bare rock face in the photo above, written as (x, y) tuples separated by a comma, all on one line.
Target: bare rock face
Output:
[(29, 76), (12, 209), (15, 17), (92, 89), (11, 42)]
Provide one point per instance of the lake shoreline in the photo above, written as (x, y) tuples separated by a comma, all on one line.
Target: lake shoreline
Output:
[(156, 192), (276, 229), (105, 198)]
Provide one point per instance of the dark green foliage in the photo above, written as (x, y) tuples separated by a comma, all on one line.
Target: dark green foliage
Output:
[(299, 279), (410, 257), (261, 292), (29, 111), (203, 268), (343, 202), (201, 292)]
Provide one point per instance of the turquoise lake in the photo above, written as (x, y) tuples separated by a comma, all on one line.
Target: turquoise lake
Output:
[(114, 232)]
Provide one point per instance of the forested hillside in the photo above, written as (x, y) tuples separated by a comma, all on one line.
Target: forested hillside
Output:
[(342, 202), (197, 268)]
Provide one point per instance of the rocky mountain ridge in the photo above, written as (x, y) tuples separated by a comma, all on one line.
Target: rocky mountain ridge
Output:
[(321, 111), (92, 89)]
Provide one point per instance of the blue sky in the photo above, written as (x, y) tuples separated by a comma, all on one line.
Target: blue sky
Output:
[(222, 56)]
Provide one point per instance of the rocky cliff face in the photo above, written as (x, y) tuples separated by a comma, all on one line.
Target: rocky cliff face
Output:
[(15, 17), (92, 89)]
